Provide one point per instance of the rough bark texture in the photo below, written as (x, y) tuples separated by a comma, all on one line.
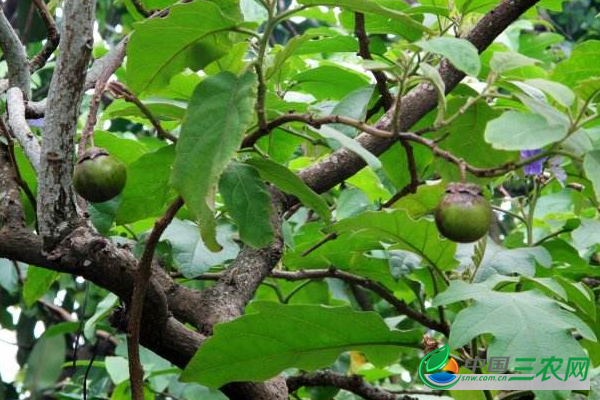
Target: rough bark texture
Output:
[(57, 211), (16, 58)]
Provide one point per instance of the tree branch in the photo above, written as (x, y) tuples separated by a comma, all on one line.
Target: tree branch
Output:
[(19, 127), (40, 59), (119, 90), (352, 383), (343, 163), (57, 213), (108, 63), (366, 283), (140, 286), (365, 53), (16, 58)]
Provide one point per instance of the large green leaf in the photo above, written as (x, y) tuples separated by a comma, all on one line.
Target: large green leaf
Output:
[(460, 52), (147, 186), (528, 131), (219, 112), (418, 236), (284, 336), (37, 283), (44, 365), (287, 181), (583, 63), (191, 36), (523, 324), (248, 201)]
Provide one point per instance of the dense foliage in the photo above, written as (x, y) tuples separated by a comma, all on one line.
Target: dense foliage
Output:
[(244, 126)]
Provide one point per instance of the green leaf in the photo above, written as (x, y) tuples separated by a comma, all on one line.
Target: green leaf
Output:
[(9, 278), (583, 63), (588, 89), (591, 167), (190, 254), (460, 52), (559, 92), (102, 311), (371, 7), (529, 131), (502, 261), (126, 150), (503, 61), (219, 112), (329, 81), (307, 337), (580, 295), (248, 201), (37, 283), (290, 48), (523, 324), (330, 133), (44, 365), (587, 234), (466, 139), (147, 187), (354, 105), (117, 368), (287, 181), (418, 236), (191, 36)]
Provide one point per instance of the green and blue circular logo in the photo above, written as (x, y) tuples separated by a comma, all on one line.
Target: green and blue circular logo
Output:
[(441, 368)]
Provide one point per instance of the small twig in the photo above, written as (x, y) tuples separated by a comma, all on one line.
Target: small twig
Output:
[(19, 127), (365, 53), (140, 287), (328, 238), (507, 212), (366, 283), (352, 383), (40, 59), (141, 9), (88, 368), (81, 322), (410, 187), (119, 90)]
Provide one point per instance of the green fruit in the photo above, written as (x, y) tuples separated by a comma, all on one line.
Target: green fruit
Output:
[(463, 214), (98, 176)]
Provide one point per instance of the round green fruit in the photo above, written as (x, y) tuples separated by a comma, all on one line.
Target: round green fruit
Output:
[(463, 214), (98, 176)]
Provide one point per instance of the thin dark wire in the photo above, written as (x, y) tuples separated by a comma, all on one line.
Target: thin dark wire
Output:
[(80, 328), (87, 370)]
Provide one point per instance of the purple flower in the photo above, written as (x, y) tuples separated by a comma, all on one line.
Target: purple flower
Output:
[(534, 168), (557, 170)]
